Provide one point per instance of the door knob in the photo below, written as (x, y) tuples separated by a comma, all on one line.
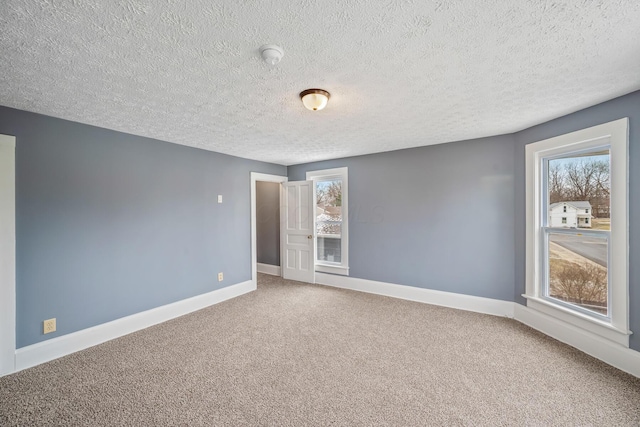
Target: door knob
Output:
[(310, 236)]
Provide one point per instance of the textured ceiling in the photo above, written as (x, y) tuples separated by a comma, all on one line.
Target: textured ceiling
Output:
[(402, 73)]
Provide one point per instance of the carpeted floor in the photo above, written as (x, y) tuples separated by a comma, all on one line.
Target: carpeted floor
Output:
[(298, 354)]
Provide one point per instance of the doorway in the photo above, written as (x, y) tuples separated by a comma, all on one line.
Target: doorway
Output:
[(268, 227), (263, 178)]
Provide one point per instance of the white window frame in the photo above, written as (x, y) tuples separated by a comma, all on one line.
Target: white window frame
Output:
[(614, 134), (326, 174)]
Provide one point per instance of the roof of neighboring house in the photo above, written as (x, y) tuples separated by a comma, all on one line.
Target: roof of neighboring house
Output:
[(325, 217), (328, 224), (582, 204)]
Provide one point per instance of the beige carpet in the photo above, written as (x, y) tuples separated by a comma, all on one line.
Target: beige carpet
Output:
[(297, 354)]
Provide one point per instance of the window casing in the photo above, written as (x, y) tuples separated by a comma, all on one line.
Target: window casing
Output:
[(613, 322), (331, 191)]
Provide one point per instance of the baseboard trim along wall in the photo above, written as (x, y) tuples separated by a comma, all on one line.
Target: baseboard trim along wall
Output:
[(273, 270), (412, 293), (612, 353), (35, 354)]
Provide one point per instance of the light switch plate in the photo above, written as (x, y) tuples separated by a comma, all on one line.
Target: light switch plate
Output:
[(219, 198)]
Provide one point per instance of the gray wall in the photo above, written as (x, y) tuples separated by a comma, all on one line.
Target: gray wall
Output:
[(626, 106), (110, 224), (268, 222), (437, 217), (452, 217)]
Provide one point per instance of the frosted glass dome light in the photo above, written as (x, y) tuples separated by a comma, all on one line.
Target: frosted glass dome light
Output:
[(315, 99)]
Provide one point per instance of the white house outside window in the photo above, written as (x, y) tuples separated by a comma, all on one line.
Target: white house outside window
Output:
[(332, 225), (577, 261)]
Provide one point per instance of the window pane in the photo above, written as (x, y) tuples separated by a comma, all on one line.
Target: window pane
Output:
[(579, 191), (329, 248), (578, 270), (329, 220)]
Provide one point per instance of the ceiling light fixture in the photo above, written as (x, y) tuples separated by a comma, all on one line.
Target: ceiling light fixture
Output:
[(314, 99), (271, 53)]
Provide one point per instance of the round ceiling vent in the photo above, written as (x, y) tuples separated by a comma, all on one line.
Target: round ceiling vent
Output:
[(271, 53)]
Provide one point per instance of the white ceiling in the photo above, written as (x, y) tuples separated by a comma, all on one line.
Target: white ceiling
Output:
[(402, 73)]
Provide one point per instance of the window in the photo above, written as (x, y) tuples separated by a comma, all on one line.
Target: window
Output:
[(576, 268), (332, 228)]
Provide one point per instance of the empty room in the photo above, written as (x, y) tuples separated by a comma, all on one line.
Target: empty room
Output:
[(314, 212)]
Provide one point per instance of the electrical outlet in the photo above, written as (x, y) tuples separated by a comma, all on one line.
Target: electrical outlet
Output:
[(220, 277), (49, 326), (219, 198)]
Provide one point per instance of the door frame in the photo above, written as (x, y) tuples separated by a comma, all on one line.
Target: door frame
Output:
[(256, 176), (7, 255)]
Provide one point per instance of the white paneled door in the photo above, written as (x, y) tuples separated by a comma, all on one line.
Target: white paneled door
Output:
[(297, 231)]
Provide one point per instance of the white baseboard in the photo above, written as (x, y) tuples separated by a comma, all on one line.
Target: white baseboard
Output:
[(273, 270), (614, 354), (45, 351), (428, 296), (609, 352)]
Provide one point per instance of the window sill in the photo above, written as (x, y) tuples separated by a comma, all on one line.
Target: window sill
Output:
[(332, 269), (583, 321)]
